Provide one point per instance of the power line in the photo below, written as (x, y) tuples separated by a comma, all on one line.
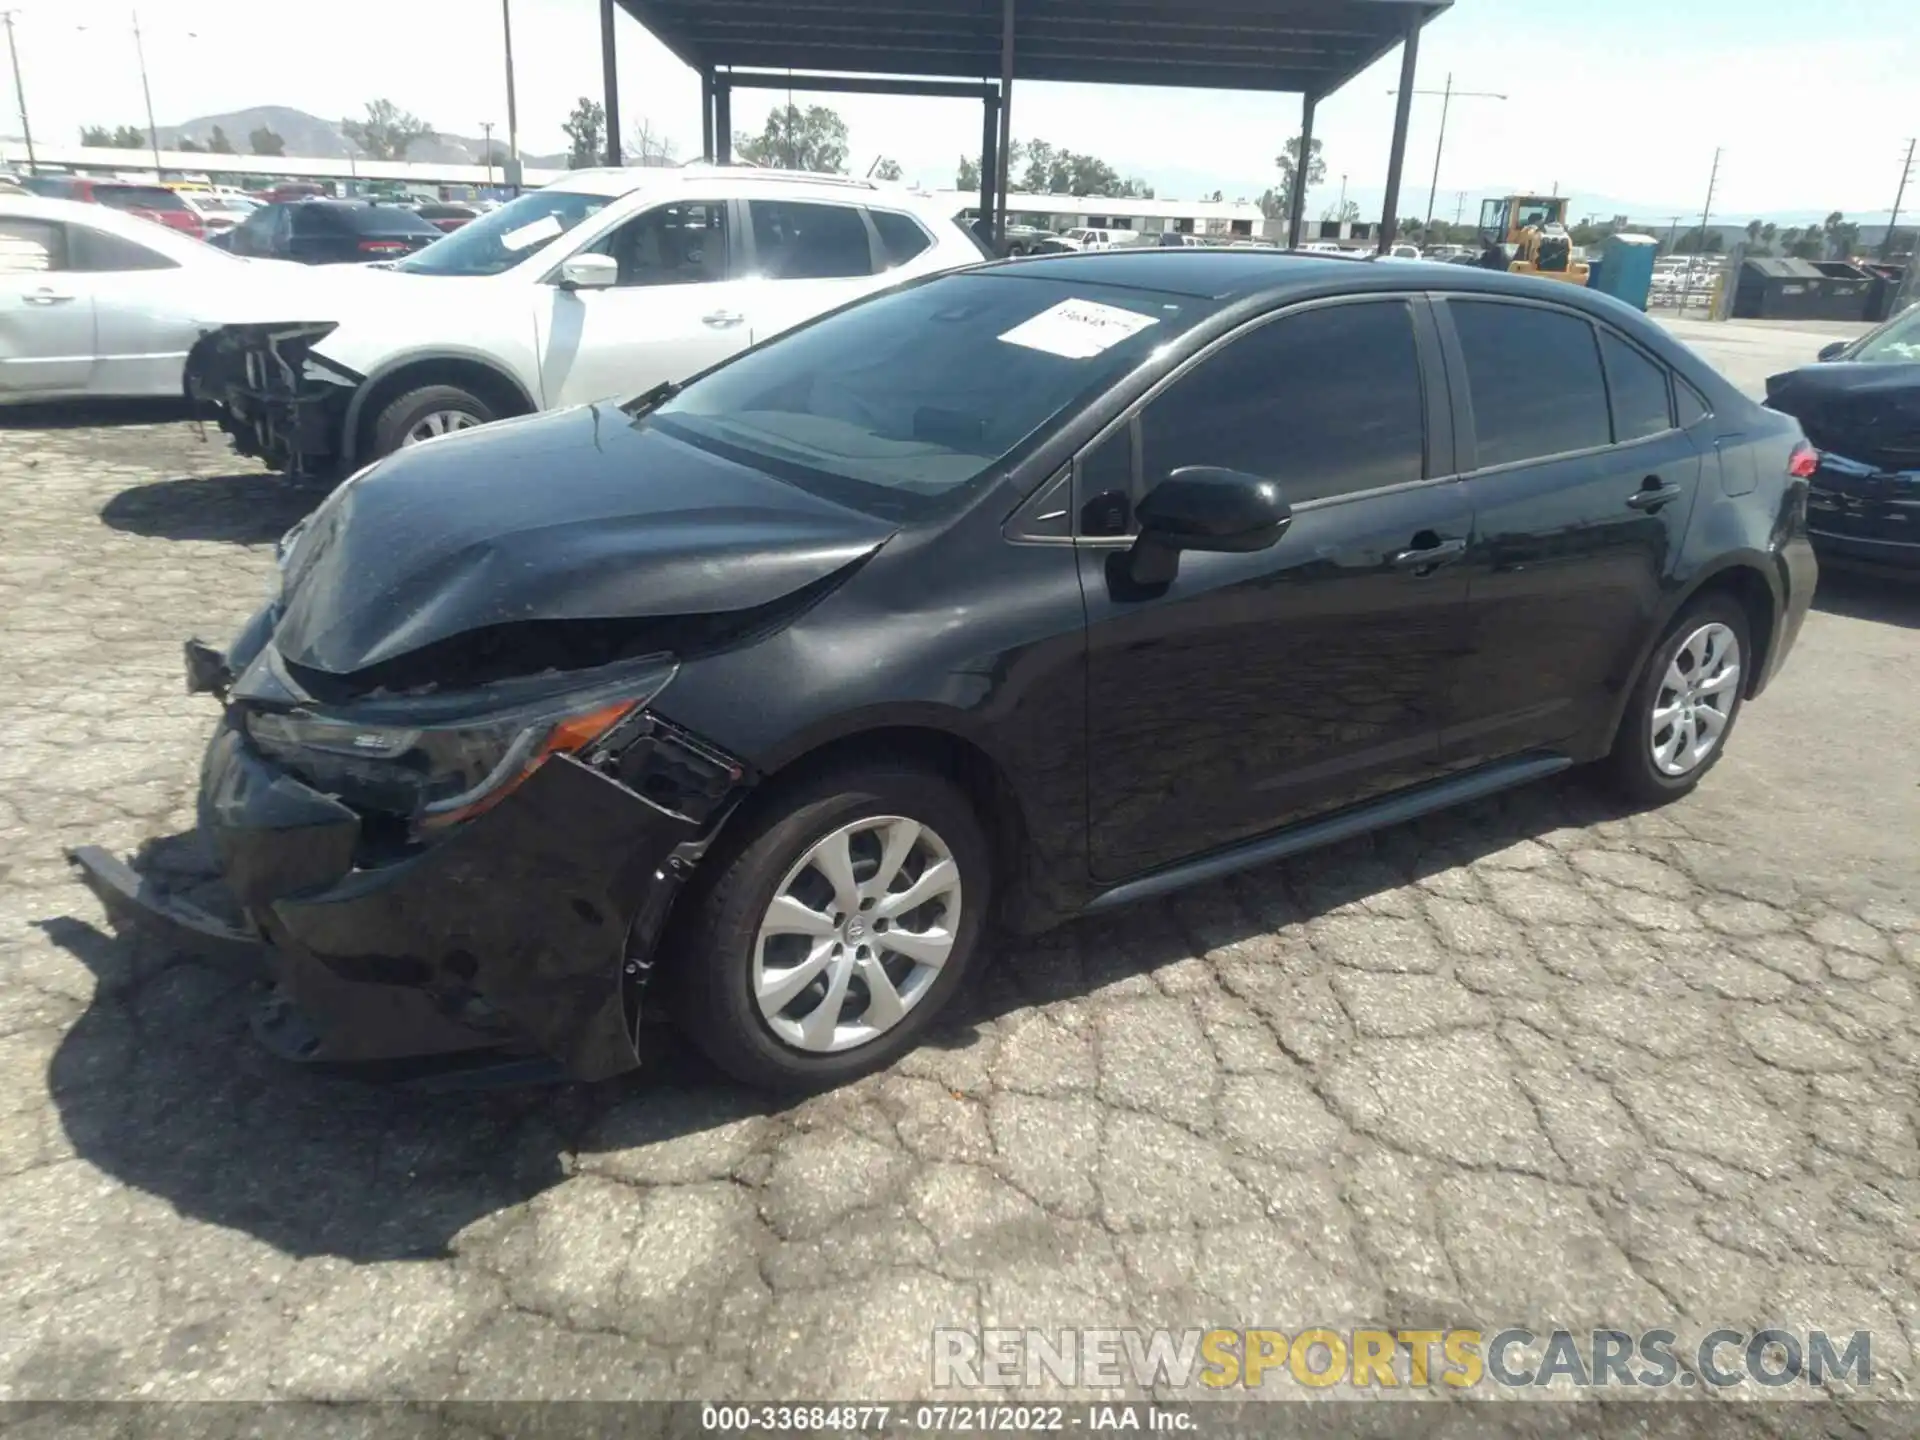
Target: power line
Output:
[(1446, 103)]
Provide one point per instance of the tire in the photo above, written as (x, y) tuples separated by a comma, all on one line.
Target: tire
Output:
[(1632, 769), (398, 420), (717, 951)]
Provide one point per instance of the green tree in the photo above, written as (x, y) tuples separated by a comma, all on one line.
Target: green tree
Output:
[(1842, 236), (889, 170), (387, 132), (263, 141), (967, 176), (1288, 161), (1699, 242), (187, 145), (218, 142), (794, 139), (586, 132), (129, 137), (96, 135)]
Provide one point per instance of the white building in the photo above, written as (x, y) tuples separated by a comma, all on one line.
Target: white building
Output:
[(1227, 219)]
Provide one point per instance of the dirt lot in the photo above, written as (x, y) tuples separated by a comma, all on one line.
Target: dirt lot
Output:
[(1535, 1062)]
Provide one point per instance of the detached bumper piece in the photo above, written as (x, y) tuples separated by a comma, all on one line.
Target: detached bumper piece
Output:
[(1863, 515), (273, 399), (518, 940)]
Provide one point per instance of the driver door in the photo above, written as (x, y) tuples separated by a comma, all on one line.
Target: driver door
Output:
[(46, 312), (678, 307)]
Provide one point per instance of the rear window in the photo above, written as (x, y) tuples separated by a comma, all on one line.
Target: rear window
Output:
[(139, 197), (361, 220), (1534, 376), (900, 236)]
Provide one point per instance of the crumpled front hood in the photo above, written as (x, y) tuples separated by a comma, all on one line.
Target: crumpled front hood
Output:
[(1866, 412), (579, 514)]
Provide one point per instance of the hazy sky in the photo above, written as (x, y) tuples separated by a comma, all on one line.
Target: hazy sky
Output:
[(1624, 99)]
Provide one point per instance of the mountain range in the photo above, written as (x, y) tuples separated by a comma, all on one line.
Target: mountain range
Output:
[(319, 139)]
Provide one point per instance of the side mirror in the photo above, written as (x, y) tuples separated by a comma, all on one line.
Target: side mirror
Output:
[(1203, 507), (589, 272), (1833, 351)]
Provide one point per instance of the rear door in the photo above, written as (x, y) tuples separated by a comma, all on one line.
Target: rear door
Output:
[(142, 331), (676, 309), (1258, 689), (806, 257), (46, 313), (1581, 485)]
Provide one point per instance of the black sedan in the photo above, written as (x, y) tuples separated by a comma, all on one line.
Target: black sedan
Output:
[(331, 232), (1004, 596), (1861, 410)]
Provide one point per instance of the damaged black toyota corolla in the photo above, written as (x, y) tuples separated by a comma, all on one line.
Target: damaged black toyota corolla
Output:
[(1003, 596)]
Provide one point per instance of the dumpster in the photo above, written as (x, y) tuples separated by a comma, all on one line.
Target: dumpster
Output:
[(1625, 268), (1849, 288), (1773, 288), (1887, 280)]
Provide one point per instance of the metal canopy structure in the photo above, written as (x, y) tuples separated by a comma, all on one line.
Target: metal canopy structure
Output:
[(1305, 47)]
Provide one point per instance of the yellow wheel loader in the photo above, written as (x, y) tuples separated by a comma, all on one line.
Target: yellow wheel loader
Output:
[(1528, 235)]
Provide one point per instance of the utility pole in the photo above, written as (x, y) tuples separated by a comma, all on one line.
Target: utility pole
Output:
[(1706, 211), (153, 134), (513, 122), (1459, 207), (1342, 212), (1447, 96), (486, 146), (1886, 245), (20, 92)]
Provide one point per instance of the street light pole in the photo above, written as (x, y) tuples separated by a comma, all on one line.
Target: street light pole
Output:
[(486, 146), (1447, 97), (153, 134), (20, 93), (513, 120)]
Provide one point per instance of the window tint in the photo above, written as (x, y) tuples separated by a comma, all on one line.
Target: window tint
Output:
[(809, 242), (1534, 376), (27, 246), (138, 197), (900, 236), (1106, 485), (670, 245), (97, 250), (1689, 404), (1638, 388), (1326, 403)]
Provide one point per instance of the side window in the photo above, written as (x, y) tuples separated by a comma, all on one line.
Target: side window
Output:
[(900, 236), (28, 246), (97, 251), (1534, 376), (797, 241), (683, 244), (1106, 484), (1690, 406), (1638, 389), (1327, 402)]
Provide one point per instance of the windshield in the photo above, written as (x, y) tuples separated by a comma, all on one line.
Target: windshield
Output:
[(890, 405), (501, 239), (1898, 339)]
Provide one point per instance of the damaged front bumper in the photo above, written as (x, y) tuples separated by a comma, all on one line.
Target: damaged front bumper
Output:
[(1865, 514), (526, 932), (272, 396)]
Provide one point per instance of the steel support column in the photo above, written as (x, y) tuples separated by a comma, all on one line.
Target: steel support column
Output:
[(1397, 157), (989, 165), (722, 121), (1003, 161), (1302, 168), (610, 81), (706, 114)]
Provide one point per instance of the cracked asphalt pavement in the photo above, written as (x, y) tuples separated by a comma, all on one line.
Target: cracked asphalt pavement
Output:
[(1534, 1062)]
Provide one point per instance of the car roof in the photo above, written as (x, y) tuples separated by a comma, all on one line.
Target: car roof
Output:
[(116, 222), (615, 183)]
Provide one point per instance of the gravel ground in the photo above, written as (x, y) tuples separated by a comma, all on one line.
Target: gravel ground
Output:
[(1533, 1062)]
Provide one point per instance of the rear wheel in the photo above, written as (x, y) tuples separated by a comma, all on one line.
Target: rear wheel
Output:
[(1683, 707), (835, 929), (426, 413)]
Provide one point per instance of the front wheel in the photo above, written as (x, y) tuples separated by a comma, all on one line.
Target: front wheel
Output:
[(835, 928), (425, 414), (1683, 707)]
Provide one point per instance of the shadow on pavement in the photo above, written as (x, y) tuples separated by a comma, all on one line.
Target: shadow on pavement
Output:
[(240, 509), (90, 414), (160, 1085), (1890, 600)]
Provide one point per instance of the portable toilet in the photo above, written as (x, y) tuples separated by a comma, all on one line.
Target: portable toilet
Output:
[(1625, 270)]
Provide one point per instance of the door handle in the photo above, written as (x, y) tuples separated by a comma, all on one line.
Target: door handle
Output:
[(1652, 494), (1425, 558), (723, 319), (47, 297)]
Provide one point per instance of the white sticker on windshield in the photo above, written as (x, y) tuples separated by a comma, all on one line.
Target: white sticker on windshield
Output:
[(1078, 329), (545, 228)]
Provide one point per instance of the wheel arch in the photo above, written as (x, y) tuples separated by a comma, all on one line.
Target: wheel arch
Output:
[(480, 374), (1751, 581)]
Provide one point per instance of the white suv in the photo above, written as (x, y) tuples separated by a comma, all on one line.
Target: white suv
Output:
[(601, 286)]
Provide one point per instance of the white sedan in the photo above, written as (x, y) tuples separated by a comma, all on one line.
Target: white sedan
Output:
[(96, 302)]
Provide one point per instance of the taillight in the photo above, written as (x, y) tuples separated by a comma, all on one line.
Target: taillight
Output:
[(1803, 462), (384, 247)]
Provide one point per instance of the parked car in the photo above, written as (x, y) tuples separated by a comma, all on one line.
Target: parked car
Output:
[(605, 284), (444, 217), (97, 302), (218, 213), (1403, 252), (1861, 409), (150, 202), (1009, 594), (1101, 237), (331, 232)]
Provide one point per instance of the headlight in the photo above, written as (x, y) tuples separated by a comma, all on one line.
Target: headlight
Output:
[(436, 775)]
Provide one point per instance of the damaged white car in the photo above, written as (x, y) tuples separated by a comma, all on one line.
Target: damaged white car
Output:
[(603, 285)]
